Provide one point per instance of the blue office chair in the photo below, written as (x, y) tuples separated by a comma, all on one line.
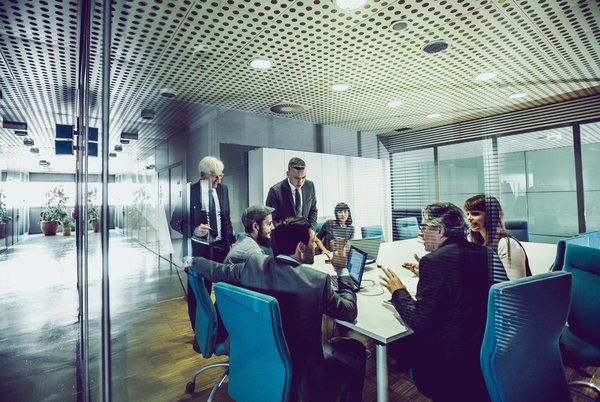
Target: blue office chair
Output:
[(206, 333), (589, 239), (518, 229), (520, 355), (580, 341), (407, 228), (260, 365), (371, 231)]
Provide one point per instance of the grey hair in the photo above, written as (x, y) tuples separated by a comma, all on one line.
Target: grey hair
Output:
[(209, 164), (447, 215)]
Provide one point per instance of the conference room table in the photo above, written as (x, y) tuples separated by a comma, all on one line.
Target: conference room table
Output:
[(379, 320)]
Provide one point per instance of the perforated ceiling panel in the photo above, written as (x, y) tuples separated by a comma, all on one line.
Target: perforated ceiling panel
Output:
[(200, 50)]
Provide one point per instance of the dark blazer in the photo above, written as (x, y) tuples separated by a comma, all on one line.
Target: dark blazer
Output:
[(448, 319), (281, 198), (198, 215), (304, 295)]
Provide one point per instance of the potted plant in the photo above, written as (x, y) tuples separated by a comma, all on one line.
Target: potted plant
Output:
[(93, 212), (54, 212), (3, 215), (68, 225)]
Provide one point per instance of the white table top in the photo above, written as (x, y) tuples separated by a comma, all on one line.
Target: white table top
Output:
[(379, 320)]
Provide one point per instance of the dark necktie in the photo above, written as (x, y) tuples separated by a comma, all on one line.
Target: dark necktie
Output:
[(297, 203), (212, 214)]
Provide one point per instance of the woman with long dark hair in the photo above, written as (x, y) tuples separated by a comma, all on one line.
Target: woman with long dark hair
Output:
[(486, 227), (336, 229)]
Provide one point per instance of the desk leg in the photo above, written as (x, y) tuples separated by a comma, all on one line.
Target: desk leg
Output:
[(382, 375)]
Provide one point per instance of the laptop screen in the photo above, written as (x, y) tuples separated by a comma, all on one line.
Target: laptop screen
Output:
[(356, 264)]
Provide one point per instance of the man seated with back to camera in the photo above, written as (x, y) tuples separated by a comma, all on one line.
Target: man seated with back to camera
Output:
[(449, 314), (304, 296)]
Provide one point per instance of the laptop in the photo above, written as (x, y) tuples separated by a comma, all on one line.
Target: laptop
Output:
[(356, 266), (370, 245)]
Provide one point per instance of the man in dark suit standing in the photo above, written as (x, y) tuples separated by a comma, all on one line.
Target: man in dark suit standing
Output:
[(209, 222), (304, 295), (294, 196), (449, 314)]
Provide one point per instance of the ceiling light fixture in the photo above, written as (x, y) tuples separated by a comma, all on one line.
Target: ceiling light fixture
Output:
[(34, 150), (21, 133), (394, 103), (485, 76), (28, 142), (433, 115), (398, 25), (518, 95), (124, 141), (168, 93), (112, 155), (148, 114), (436, 46), (260, 63), (14, 125), (340, 87), (349, 5), (118, 148)]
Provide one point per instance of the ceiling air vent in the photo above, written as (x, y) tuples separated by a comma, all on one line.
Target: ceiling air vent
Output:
[(288, 108), (436, 46)]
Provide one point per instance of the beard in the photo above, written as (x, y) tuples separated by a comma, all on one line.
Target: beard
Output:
[(263, 239)]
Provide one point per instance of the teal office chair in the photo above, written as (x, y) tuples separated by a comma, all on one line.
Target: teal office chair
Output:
[(407, 228), (371, 231), (590, 239), (520, 355), (518, 229), (260, 367), (580, 341), (206, 333)]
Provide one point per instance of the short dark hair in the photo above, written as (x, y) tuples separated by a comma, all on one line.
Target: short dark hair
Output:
[(447, 215), (289, 233), (296, 163)]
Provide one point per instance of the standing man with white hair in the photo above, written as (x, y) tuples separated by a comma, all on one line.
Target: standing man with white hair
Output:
[(209, 221)]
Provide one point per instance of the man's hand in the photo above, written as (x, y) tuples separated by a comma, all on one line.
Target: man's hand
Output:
[(339, 259), (390, 281), (202, 230), (413, 266)]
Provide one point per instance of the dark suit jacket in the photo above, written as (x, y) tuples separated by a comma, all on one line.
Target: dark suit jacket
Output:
[(448, 319), (281, 198), (304, 295), (198, 215)]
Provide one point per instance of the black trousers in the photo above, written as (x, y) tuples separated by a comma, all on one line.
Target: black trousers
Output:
[(217, 252)]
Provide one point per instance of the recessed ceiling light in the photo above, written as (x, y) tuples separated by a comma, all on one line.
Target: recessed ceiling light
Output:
[(349, 5), (168, 93), (394, 103), (398, 25), (340, 87), (433, 115), (260, 64), (436, 46), (518, 95), (485, 76)]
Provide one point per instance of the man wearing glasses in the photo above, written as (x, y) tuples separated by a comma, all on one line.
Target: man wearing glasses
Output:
[(209, 219), (449, 314)]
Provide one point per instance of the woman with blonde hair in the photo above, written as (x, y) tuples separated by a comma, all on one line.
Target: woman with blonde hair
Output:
[(486, 227)]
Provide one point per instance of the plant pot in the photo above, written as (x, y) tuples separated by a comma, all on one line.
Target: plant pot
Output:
[(66, 231), (49, 228), (95, 225)]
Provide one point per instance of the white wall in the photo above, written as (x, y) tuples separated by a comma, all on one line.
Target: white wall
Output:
[(362, 183)]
